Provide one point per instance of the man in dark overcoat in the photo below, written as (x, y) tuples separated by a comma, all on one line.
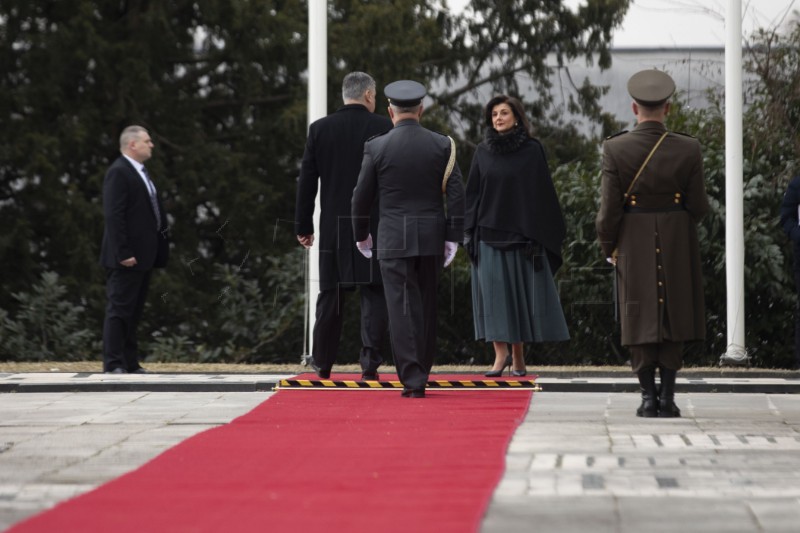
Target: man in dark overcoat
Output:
[(410, 168), (332, 159), (134, 243), (652, 198), (790, 222)]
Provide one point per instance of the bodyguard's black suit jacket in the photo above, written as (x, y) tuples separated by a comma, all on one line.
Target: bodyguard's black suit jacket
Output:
[(130, 223), (406, 166), (332, 158)]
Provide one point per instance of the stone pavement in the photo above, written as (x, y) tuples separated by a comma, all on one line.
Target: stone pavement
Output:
[(582, 462), (579, 462)]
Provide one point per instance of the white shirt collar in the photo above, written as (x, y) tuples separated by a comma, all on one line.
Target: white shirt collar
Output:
[(140, 169), (138, 166)]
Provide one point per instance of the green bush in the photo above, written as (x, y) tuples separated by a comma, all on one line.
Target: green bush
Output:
[(46, 327), (252, 315)]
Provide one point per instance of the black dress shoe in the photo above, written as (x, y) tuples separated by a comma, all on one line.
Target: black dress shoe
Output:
[(322, 374), (117, 371), (139, 370), (370, 376), (413, 393)]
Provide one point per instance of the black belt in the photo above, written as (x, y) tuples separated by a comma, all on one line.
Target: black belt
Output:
[(636, 210)]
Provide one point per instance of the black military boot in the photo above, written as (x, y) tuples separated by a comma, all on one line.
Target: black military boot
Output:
[(667, 407), (647, 382)]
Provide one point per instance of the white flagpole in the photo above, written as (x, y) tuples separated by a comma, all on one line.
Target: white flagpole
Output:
[(317, 108), (736, 353)]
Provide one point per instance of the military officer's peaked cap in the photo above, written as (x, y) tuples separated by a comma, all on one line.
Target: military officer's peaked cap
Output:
[(405, 93), (651, 87)]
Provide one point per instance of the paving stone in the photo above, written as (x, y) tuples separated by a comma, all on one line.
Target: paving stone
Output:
[(691, 474), (578, 462)]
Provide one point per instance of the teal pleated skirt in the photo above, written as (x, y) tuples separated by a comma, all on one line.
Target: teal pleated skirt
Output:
[(513, 303)]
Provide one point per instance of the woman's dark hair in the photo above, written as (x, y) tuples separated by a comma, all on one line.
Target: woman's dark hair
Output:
[(514, 104)]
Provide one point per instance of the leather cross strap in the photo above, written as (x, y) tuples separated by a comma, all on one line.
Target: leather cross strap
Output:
[(641, 168), (450, 164)]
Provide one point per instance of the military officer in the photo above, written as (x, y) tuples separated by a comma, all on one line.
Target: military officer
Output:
[(652, 198), (409, 168)]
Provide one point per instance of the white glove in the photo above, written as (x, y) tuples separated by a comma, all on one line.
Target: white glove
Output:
[(365, 246), (450, 249)]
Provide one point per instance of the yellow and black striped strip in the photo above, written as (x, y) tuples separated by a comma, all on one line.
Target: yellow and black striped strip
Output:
[(439, 384)]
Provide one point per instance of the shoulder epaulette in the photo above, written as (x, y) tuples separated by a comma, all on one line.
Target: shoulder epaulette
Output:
[(378, 135), (684, 134), (439, 133), (617, 134)]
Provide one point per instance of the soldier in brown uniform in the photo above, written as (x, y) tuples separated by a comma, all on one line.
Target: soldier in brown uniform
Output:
[(653, 196)]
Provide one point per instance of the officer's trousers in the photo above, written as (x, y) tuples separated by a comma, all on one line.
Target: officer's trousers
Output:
[(410, 285)]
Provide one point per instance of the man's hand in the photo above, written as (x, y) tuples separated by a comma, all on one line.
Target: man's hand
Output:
[(450, 249), (306, 240), (365, 246), (129, 262)]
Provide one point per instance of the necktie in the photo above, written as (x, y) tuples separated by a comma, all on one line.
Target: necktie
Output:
[(151, 188)]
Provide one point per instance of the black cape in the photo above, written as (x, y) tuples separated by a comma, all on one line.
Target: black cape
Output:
[(510, 191)]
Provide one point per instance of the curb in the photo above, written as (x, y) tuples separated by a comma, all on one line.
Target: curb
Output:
[(48, 383)]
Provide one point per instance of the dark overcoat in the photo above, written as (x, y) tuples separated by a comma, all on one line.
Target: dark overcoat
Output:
[(331, 162), (405, 168), (659, 275)]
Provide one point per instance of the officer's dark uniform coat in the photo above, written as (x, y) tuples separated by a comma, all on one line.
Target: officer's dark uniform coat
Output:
[(405, 167), (660, 285), (333, 158)]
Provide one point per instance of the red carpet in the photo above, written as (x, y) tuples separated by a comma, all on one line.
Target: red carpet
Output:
[(316, 461)]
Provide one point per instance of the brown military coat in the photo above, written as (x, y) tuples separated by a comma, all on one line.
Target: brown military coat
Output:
[(654, 233)]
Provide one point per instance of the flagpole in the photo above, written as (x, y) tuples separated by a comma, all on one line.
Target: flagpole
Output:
[(735, 353), (317, 108)]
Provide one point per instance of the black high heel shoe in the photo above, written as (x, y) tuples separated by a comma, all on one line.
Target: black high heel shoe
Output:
[(498, 373), (519, 373)]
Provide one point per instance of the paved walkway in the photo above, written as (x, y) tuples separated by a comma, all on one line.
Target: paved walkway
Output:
[(582, 462), (579, 462)]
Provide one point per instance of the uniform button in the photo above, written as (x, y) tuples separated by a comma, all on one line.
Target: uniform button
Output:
[(658, 250), (660, 284), (661, 300), (659, 267)]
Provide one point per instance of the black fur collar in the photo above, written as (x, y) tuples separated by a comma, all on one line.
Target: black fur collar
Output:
[(505, 144)]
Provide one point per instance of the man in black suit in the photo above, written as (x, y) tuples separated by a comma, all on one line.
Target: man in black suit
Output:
[(410, 168), (332, 158), (134, 242)]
